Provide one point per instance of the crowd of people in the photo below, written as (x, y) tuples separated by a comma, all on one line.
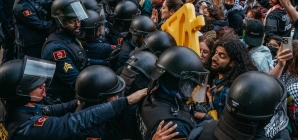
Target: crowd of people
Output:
[(104, 69)]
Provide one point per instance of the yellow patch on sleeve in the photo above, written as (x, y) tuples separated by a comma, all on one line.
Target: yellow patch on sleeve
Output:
[(67, 67)]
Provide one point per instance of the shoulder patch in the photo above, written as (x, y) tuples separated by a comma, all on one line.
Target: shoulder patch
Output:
[(119, 40), (113, 47), (41, 121), (93, 139), (67, 66), (59, 54), (27, 13)]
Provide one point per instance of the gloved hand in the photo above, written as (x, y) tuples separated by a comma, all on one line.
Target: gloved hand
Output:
[(115, 52), (202, 107)]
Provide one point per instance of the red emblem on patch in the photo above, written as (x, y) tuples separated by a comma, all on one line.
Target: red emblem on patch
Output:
[(59, 54), (27, 13), (93, 139), (119, 40), (41, 121), (113, 47)]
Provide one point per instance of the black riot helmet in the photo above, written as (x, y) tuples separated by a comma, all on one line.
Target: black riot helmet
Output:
[(138, 70), (140, 27), (64, 10), (180, 68), (20, 77), (90, 26), (97, 84), (255, 96), (255, 101), (125, 11), (158, 41), (91, 5)]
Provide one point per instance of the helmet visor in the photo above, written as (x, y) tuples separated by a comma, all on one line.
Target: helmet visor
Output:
[(193, 85), (35, 73), (73, 10)]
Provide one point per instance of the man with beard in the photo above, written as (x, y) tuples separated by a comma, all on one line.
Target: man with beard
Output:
[(63, 47), (229, 60)]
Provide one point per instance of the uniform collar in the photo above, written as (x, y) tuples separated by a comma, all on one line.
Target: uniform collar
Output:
[(65, 37), (25, 109)]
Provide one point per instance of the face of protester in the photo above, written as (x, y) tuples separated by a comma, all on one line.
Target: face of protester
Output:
[(206, 12), (221, 61), (273, 43), (38, 94), (72, 26), (205, 52), (165, 12), (229, 2)]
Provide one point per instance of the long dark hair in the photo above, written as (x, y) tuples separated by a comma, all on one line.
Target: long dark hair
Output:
[(238, 54), (215, 13)]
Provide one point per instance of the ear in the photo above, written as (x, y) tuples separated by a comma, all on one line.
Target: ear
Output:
[(172, 12)]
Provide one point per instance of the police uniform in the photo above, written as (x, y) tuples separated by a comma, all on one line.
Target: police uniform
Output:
[(98, 50), (104, 131), (119, 59), (70, 58), (163, 107), (31, 27), (58, 123), (115, 34), (6, 20)]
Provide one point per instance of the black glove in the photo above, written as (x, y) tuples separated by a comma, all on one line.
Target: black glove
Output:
[(115, 53), (202, 107)]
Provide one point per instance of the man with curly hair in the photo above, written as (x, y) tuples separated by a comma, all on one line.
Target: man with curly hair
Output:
[(229, 60)]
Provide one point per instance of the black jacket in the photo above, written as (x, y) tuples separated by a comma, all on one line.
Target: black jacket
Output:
[(218, 24), (235, 19), (59, 123), (278, 23), (30, 23)]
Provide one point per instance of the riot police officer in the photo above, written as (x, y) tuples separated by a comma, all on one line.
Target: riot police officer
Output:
[(23, 83), (32, 27), (97, 85), (157, 42), (179, 75), (139, 28), (94, 47), (7, 26), (63, 47), (136, 74), (255, 99), (117, 30), (137, 71)]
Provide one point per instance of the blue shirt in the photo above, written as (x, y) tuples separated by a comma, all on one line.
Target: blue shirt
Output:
[(220, 96)]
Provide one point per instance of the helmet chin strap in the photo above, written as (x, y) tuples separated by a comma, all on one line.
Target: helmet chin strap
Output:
[(36, 101)]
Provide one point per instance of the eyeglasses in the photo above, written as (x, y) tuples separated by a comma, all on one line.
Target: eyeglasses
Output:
[(273, 45)]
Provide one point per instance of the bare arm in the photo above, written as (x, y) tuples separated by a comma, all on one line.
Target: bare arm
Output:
[(293, 14)]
